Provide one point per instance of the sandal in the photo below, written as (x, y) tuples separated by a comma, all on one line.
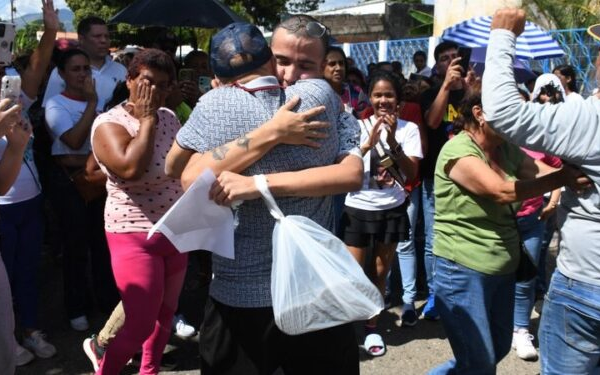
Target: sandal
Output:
[(374, 345)]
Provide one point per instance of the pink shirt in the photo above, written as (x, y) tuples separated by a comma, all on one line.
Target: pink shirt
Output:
[(529, 206), (134, 206)]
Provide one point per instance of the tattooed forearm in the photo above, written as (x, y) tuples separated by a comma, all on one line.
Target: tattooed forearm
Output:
[(243, 142), (219, 152)]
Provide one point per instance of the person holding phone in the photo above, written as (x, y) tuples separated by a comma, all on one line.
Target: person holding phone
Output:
[(21, 226)]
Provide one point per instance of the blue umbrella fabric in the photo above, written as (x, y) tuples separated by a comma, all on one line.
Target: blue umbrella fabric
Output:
[(522, 72), (533, 43), (170, 13)]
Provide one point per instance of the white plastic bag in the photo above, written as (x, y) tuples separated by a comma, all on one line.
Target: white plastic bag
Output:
[(315, 281)]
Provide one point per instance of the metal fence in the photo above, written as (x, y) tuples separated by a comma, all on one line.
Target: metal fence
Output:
[(580, 52)]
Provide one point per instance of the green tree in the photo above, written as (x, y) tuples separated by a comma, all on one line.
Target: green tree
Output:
[(563, 14), (26, 38)]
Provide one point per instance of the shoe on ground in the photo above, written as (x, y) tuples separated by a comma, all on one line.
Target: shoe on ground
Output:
[(409, 316), (80, 323), (94, 351), (36, 343), (522, 344), (23, 355), (182, 328), (429, 311)]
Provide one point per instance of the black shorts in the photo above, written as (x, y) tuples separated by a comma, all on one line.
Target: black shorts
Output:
[(246, 341), (362, 228)]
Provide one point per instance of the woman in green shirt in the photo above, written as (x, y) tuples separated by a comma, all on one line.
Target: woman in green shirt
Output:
[(478, 180)]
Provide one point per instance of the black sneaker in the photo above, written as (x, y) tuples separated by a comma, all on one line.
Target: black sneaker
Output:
[(409, 318), (94, 351)]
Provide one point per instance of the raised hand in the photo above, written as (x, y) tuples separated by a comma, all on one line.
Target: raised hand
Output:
[(89, 90), (18, 136), (147, 100), (8, 116), (50, 15), (453, 74), (512, 19)]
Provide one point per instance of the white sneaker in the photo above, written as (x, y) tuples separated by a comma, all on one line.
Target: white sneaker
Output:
[(80, 323), (182, 328), (23, 355), (37, 343), (521, 342)]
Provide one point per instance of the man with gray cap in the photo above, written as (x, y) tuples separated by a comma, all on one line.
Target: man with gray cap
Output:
[(239, 334), (569, 332)]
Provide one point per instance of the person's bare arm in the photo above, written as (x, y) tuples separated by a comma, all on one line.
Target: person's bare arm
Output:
[(478, 178), (126, 156), (78, 134), (312, 182), (17, 137), (435, 114), (286, 127), (40, 59)]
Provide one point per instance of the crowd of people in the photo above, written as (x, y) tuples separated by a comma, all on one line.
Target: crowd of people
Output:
[(492, 167)]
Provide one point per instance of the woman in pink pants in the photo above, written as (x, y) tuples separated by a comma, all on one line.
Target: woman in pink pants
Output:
[(130, 143)]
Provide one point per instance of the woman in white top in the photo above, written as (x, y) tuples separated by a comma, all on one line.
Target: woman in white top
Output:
[(375, 216), (69, 116), (568, 79)]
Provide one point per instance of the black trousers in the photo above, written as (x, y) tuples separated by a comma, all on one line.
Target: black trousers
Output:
[(246, 341)]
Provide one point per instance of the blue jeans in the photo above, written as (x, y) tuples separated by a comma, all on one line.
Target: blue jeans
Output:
[(477, 313), (428, 202), (569, 332), (531, 230), (407, 257), (22, 230)]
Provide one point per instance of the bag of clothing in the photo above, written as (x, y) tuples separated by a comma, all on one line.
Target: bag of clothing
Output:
[(315, 281)]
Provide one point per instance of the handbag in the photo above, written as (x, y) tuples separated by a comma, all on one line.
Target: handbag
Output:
[(526, 269), (89, 190)]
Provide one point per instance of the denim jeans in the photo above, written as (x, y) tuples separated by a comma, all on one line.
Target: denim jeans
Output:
[(428, 202), (407, 256), (22, 230), (531, 230), (477, 314), (569, 332)]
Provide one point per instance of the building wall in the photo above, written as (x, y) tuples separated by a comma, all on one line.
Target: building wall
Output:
[(451, 12), (394, 24)]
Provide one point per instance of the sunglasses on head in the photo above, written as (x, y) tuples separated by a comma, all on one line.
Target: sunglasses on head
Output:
[(313, 29)]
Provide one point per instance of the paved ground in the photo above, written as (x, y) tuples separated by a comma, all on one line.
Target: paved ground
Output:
[(410, 350)]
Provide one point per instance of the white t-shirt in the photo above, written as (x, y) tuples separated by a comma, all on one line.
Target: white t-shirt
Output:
[(26, 185), (106, 78), (375, 199), (62, 113)]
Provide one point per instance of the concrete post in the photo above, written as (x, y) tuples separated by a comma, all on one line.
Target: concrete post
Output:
[(383, 50)]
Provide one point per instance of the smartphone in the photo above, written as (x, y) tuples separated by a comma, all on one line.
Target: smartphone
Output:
[(10, 89), (465, 57), (186, 74), (204, 83), (7, 38)]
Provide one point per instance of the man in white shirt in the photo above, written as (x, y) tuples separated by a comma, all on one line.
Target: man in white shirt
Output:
[(94, 39)]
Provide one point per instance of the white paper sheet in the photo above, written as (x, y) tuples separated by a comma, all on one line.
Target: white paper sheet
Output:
[(195, 222)]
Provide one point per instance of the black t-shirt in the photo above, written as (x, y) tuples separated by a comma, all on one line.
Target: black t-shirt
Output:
[(438, 137)]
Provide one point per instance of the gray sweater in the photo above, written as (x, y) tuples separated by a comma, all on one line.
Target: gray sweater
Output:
[(568, 130)]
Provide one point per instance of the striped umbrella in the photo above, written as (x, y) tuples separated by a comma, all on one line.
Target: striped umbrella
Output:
[(533, 43)]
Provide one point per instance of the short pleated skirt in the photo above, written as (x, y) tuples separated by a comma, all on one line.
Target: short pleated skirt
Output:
[(363, 228)]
